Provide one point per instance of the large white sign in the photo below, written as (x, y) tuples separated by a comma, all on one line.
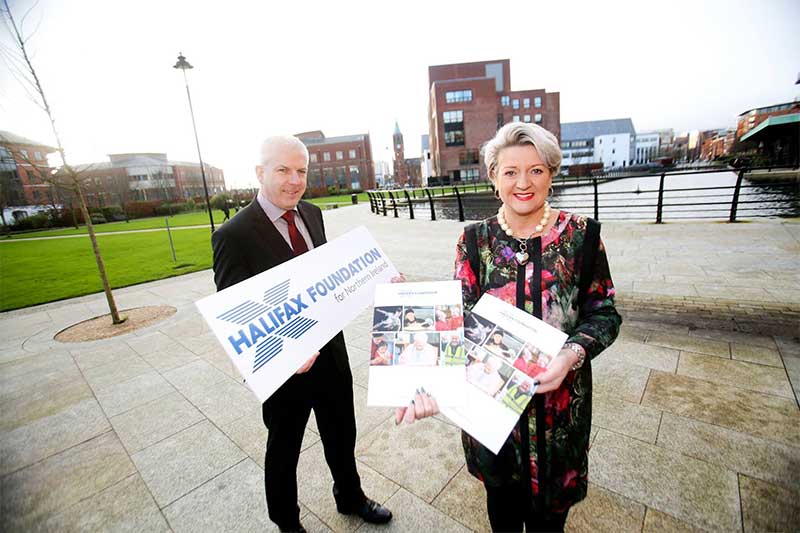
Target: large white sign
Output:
[(506, 349), (417, 341), (272, 323)]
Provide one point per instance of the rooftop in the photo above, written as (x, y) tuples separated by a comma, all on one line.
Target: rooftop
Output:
[(335, 140), (573, 131), (7, 137), (781, 120)]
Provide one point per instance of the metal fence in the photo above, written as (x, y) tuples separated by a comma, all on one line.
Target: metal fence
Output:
[(732, 202)]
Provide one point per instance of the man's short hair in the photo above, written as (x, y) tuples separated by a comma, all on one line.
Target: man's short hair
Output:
[(280, 142)]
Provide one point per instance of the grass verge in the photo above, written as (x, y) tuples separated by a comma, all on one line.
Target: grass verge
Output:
[(35, 272)]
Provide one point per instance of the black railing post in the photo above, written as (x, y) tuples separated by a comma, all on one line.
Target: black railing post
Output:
[(460, 205), (735, 201), (430, 201), (394, 204), (371, 204), (383, 201), (410, 206), (596, 201), (660, 206)]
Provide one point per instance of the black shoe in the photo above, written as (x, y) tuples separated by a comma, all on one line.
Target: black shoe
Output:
[(298, 528), (369, 511)]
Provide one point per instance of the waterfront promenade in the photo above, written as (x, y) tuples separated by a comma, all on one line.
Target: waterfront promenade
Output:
[(695, 426)]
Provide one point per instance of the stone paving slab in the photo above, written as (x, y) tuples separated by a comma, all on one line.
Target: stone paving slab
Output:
[(677, 403), (180, 463), (695, 491), (32, 494)]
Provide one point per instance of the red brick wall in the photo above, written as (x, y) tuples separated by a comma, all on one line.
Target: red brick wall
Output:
[(363, 160), (481, 114)]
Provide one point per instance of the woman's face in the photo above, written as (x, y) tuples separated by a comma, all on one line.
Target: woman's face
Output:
[(522, 179), (497, 338), (410, 316)]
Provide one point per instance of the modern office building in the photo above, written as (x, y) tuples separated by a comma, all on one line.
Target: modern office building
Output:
[(338, 163), (751, 118), (426, 164), (647, 147), (22, 164), (611, 143), (468, 102), (146, 176)]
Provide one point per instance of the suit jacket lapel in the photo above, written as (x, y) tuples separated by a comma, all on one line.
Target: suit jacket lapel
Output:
[(271, 242), (313, 226)]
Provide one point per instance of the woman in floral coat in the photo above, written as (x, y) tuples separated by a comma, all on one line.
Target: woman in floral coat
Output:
[(553, 265)]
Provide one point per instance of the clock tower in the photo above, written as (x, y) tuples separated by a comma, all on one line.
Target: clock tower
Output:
[(400, 170)]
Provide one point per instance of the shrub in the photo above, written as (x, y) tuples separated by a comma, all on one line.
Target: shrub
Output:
[(142, 209), (37, 221), (113, 213), (98, 218)]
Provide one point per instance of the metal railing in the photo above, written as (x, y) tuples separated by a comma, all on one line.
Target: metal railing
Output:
[(731, 202)]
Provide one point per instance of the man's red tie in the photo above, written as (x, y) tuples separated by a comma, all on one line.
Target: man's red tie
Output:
[(298, 242)]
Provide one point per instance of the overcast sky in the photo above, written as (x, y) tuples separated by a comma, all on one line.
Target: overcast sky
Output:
[(355, 67)]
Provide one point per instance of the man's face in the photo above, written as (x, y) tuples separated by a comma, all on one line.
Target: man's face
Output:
[(454, 340), (524, 386), (420, 341), (283, 176)]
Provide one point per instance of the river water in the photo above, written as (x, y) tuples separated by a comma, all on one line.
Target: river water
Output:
[(636, 199)]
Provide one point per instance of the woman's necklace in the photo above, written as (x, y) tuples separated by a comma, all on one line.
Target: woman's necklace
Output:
[(522, 256)]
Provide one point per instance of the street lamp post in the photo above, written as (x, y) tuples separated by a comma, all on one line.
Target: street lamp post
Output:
[(183, 65)]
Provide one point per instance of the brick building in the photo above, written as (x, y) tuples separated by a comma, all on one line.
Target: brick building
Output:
[(145, 177), (338, 163), (468, 102), (22, 163), (753, 117)]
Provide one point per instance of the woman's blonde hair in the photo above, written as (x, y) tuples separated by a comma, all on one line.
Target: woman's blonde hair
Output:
[(520, 134)]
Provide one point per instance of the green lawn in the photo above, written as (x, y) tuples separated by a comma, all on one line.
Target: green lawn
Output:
[(34, 272), (197, 218)]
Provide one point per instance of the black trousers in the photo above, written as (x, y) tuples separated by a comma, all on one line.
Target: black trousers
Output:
[(328, 390), (511, 510)]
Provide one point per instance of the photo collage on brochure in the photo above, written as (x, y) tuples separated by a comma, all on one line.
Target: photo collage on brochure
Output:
[(500, 364), (418, 335)]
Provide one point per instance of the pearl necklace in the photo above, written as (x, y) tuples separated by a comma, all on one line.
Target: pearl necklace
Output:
[(522, 256)]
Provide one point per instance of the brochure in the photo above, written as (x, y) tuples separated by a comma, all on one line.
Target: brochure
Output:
[(506, 349), (417, 341)]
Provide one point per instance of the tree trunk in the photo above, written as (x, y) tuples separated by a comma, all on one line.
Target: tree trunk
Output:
[(112, 305)]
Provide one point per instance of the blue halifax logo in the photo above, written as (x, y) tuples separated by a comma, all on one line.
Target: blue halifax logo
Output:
[(279, 316)]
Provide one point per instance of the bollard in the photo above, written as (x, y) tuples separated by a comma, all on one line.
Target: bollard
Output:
[(430, 201), (394, 204), (410, 206), (596, 201), (660, 206), (735, 201), (354, 199), (460, 205)]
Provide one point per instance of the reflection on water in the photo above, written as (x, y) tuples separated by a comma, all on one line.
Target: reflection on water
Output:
[(636, 199)]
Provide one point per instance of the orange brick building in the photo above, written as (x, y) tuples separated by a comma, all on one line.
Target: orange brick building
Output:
[(338, 163), (22, 162), (468, 103)]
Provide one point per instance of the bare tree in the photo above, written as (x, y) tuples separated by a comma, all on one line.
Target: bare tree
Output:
[(26, 74)]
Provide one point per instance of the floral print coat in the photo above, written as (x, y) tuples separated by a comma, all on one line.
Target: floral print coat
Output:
[(559, 479)]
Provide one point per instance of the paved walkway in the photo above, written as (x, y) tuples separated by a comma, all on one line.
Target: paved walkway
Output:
[(694, 427)]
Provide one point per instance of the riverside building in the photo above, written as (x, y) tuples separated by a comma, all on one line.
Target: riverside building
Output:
[(467, 103)]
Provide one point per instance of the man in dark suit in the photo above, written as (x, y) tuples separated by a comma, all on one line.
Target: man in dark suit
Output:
[(273, 229)]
